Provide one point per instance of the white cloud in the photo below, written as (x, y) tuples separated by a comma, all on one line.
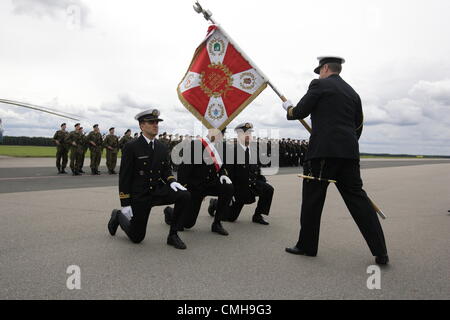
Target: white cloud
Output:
[(135, 54)]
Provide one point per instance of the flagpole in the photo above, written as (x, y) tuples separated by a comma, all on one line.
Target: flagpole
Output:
[(208, 16)]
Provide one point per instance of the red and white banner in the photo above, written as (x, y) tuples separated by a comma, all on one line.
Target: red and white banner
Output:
[(219, 83)]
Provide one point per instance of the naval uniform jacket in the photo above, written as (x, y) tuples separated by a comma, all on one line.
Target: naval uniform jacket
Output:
[(245, 175), (198, 173), (336, 117), (143, 172)]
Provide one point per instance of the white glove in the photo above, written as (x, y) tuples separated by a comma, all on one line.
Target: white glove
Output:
[(225, 179), (287, 104), (127, 212), (176, 186)]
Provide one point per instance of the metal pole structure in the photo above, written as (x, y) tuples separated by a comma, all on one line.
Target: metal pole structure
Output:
[(29, 106), (208, 16)]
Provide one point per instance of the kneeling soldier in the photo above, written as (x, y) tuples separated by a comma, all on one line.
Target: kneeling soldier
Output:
[(204, 174), (145, 181), (248, 183)]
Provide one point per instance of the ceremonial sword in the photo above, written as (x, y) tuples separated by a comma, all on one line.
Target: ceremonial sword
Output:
[(207, 14)]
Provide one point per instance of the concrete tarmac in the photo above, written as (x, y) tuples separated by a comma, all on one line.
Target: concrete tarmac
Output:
[(45, 229)]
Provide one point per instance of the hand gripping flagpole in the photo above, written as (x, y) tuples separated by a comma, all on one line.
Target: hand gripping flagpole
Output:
[(208, 16)]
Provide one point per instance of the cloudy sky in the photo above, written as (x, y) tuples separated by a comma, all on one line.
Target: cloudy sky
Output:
[(108, 60)]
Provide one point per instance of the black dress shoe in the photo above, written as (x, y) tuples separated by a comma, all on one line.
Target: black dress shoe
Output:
[(212, 207), (383, 260), (81, 171), (168, 215), (295, 250), (113, 172), (59, 171), (218, 228), (174, 240), (113, 223), (257, 218), (63, 171)]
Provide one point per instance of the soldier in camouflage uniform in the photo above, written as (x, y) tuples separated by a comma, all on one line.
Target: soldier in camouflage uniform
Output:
[(75, 141), (111, 143), (62, 149), (95, 142), (85, 148), (125, 139)]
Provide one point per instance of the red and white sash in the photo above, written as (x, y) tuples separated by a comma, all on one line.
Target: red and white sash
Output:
[(213, 153)]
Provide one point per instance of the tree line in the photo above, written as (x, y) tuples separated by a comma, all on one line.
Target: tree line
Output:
[(28, 141)]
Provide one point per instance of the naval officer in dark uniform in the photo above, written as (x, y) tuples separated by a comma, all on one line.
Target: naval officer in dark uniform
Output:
[(333, 153), (248, 182), (204, 174), (145, 181)]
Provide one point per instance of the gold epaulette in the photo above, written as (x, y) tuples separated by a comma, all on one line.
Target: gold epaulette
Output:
[(124, 196), (170, 177)]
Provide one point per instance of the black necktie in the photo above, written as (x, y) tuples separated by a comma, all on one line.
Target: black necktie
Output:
[(150, 145), (247, 155)]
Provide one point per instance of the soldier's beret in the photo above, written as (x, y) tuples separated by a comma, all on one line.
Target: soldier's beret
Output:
[(148, 115), (111, 128), (76, 125), (246, 126), (328, 59), (127, 131), (95, 126), (63, 124)]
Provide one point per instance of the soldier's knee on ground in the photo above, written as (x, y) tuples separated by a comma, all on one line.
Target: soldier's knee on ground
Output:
[(137, 238)]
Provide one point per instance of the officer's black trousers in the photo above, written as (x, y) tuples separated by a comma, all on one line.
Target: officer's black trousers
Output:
[(142, 205), (224, 192), (264, 191), (347, 174)]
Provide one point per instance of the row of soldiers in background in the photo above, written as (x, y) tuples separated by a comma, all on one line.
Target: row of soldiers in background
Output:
[(77, 143), (291, 152)]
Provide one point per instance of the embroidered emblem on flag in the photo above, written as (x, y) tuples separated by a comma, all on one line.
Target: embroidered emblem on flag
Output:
[(219, 83)]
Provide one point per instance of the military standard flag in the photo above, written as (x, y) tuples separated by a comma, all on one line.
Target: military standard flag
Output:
[(220, 82)]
